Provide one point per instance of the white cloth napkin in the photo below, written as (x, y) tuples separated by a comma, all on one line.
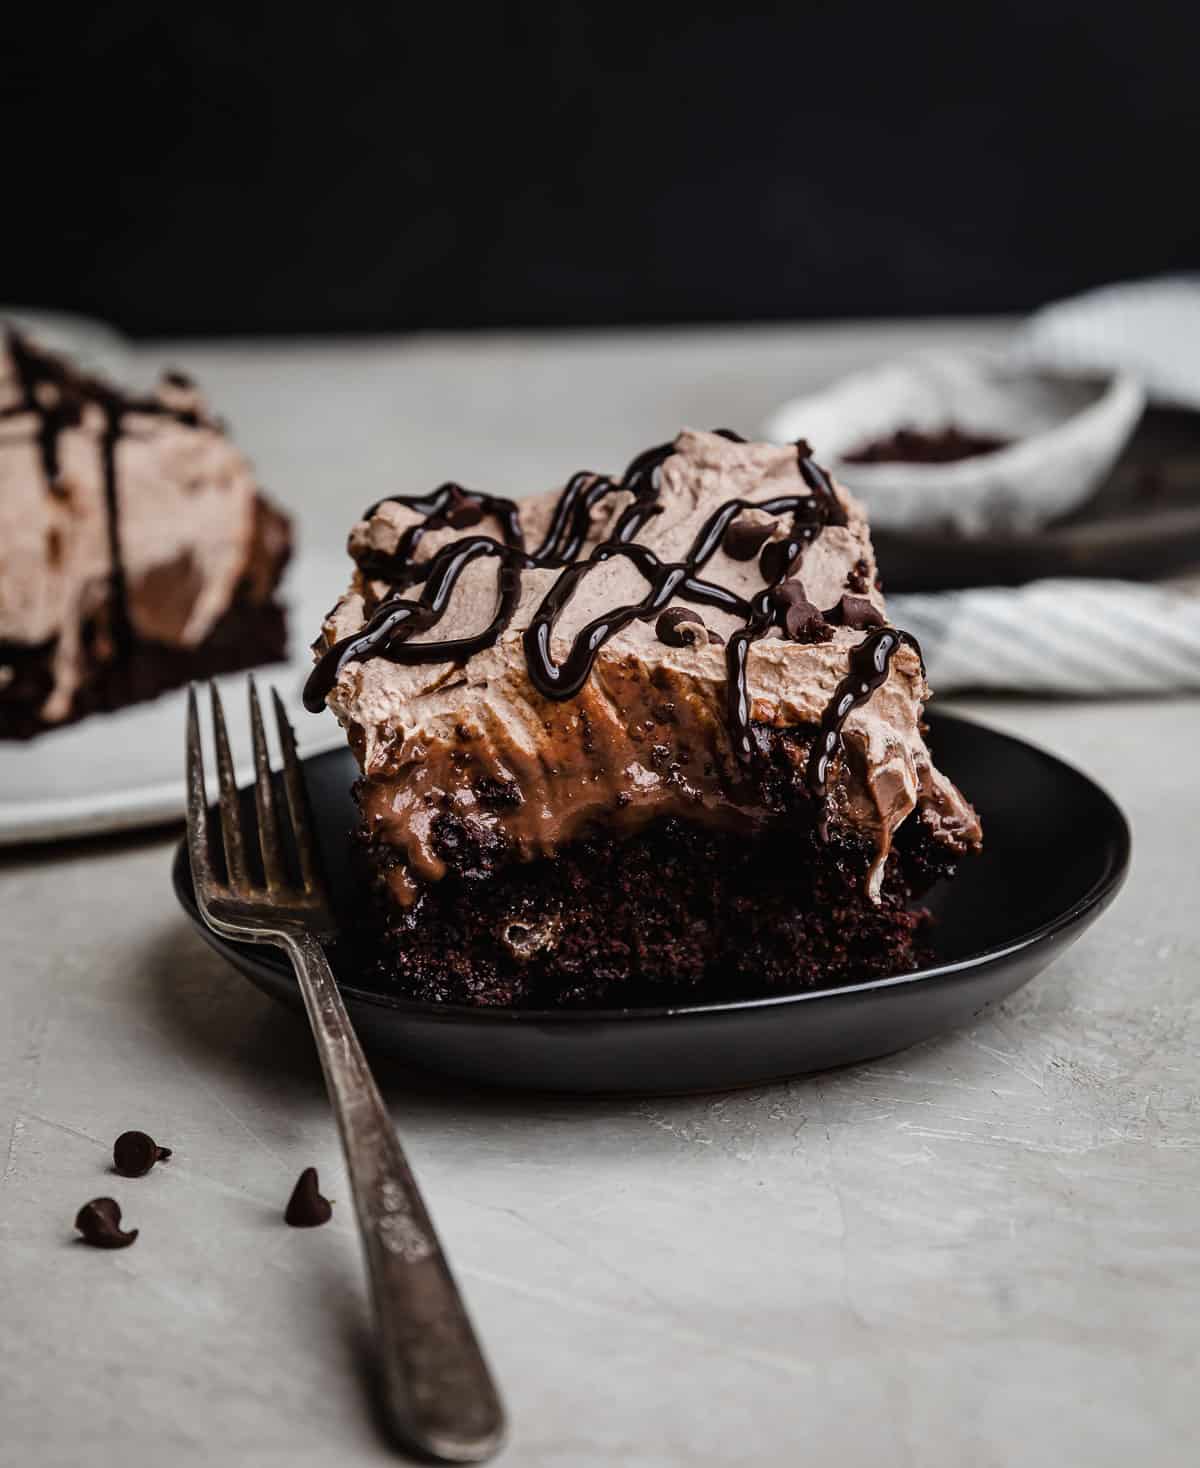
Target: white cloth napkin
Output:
[(1057, 637), (1147, 328)]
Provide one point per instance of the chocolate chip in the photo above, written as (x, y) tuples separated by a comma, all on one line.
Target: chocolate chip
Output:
[(680, 627), (744, 538), (806, 624), (803, 621), (100, 1224), (715, 638), (178, 379), (134, 1154), (859, 613), (775, 563), (463, 511), (790, 593), (462, 517), (306, 1207)]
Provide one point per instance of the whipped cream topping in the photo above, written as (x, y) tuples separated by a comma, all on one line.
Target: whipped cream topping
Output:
[(186, 512), (647, 734)]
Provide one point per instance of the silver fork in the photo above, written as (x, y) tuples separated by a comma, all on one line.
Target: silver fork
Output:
[(438, 1393)]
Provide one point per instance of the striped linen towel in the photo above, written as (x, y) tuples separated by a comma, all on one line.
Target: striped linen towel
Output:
[(1057, 637)]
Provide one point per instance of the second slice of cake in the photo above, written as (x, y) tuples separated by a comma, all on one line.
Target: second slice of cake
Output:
[(638, 739)]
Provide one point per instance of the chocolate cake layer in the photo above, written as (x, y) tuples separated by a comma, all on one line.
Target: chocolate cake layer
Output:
[(677, 912), (251, 633)]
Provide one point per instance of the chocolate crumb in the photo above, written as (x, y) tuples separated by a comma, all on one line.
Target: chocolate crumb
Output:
[(100, 1224), (858, 579), (306, 1207), (859, 613), (680, 627), (178, 379), (134, 1154), (743, 539), (498, 794), (715, 638)]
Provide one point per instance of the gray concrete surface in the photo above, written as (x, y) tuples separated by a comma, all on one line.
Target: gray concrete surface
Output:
[(984, 1251)]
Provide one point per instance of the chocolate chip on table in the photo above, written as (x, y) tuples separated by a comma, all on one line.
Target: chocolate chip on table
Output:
[(744, 538), (860, 613), (100, 1224), (681, 627), (134, 1154), (306, 1207)]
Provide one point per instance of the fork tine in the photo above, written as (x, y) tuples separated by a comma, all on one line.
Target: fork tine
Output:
[(197, 803), (231, 817), (297, 796), (264, 799)]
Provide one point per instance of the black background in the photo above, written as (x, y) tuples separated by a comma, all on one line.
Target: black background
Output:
[(368, 166)]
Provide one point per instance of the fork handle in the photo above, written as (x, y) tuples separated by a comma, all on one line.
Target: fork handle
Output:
[(438, 1392)]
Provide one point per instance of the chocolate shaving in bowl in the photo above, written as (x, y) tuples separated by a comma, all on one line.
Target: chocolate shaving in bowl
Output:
[(914, 446)]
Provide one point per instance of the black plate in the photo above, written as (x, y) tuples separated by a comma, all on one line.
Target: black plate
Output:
[(1057, 850), (1143, 523)]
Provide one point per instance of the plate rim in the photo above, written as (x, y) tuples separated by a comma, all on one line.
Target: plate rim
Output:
[(1098, 896), (78, 817)]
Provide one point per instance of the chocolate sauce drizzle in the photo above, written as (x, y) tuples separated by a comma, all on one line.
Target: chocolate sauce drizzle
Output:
[(869, 665), (57, 395), (393, 621)]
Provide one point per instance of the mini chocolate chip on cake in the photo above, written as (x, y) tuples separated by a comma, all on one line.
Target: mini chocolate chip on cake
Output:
[(640, 739), (136, 551)]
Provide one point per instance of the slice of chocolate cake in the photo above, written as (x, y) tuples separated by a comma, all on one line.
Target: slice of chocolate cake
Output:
[(135, 549), (636, 740)]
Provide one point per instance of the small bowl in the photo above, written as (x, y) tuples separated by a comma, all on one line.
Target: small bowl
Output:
[(1063, 433)]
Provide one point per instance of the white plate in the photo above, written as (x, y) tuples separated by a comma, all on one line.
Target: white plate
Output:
[(113, 772)]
